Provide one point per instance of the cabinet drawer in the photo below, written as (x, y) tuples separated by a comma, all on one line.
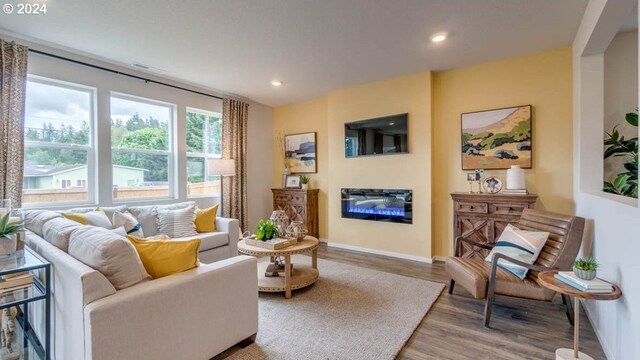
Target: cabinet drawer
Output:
[(472, 207), (508, 209), (289, 198)]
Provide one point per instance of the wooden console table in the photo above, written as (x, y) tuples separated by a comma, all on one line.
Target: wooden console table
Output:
[(299, 205), (483, 217)]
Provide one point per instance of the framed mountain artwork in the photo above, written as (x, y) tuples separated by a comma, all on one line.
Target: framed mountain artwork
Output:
[(497, 139), (300, 153)]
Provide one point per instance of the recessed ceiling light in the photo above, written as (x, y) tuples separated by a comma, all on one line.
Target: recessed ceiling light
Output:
[(392, 124), (439, 37), (276, 82)]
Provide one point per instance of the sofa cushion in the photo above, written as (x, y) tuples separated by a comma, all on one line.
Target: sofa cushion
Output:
[(95, 218), (129, 222), (58, 231), (111, 254), (147, 215), (210, 240), (177, 223), (166, 257), (206, 219), (35, 219)]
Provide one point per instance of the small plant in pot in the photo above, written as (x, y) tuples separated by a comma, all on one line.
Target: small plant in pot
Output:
[(267, 230), (585, 269), (8, 230), (304, 180)]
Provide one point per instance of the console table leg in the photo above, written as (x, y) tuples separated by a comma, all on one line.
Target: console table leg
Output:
[(314, 258), (287, 276)]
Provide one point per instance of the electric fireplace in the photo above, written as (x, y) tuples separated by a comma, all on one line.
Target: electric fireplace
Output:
[(378, 205)]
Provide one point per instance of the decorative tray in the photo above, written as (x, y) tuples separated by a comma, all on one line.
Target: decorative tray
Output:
[(274, 244)]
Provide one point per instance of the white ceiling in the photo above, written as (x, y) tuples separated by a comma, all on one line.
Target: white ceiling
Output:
[(313, 46)]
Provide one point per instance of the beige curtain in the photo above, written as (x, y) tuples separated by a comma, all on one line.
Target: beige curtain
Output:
[(234, 146), (13, 84)]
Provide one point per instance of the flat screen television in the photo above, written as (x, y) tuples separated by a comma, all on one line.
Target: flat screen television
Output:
[(380, 136)]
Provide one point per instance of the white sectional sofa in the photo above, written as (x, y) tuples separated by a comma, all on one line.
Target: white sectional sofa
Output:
[(195, 314)]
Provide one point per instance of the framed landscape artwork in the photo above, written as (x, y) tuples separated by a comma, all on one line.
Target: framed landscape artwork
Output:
[(300, 153), (497, 139)]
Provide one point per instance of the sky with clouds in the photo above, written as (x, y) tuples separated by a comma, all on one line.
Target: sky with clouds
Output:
[(57, 105)]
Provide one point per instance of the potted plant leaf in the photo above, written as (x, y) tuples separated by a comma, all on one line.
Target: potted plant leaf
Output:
[(8, 230), (267, 230), (304, 180), (585, 269)]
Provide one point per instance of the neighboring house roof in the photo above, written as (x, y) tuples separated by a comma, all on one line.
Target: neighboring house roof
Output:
[(48, 170)]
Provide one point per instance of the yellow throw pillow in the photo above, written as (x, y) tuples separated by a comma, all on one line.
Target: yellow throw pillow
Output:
[(165, 257), (95, 218), (206, 219)]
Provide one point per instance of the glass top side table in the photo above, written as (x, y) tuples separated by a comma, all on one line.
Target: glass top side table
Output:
[(14, 302)]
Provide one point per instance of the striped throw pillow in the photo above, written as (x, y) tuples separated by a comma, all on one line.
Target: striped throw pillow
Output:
[(518, 244), (177, 223)]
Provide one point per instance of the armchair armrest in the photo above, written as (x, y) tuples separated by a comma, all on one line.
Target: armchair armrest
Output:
[(231, 227), (461, 239)]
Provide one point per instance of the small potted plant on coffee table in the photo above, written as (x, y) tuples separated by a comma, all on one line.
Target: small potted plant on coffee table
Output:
[(585, 269), (267, 230)]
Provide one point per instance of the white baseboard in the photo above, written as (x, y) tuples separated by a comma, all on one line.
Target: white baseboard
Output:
[(378, 252), (605, 347)]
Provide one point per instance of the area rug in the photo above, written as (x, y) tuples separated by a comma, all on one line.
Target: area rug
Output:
[(349, 313)]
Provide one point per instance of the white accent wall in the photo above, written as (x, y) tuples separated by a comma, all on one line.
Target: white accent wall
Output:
[(613, 222)]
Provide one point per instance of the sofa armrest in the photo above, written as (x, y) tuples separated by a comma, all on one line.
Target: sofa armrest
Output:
[(231, 227), (205, 310)]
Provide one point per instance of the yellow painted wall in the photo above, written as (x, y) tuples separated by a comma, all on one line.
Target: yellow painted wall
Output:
[(542, 79), (306, 116), (406, 94)]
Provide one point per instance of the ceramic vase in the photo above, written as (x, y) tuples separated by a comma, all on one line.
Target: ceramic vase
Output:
[(584, 274), (8, 244), (285, 172), (304, 186), (515, 178), (280, 218)]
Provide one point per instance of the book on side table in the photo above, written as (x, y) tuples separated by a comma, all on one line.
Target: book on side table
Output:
[(591, 286)]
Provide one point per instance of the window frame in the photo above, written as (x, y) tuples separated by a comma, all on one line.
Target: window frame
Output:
[(170, 152), (90, 147), (202, 155)]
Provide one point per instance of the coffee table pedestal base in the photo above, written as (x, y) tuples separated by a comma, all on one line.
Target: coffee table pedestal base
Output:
[(567, 354)]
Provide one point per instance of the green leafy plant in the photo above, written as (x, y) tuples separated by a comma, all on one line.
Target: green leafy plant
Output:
[(266, 230), (587, 264), (7, 228), (624, 183), (305, 179)]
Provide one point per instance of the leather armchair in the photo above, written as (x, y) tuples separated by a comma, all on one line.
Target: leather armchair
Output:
[(484, 280)]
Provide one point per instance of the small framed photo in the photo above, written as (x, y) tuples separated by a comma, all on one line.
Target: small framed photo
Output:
[(293, 182), (471, 176)]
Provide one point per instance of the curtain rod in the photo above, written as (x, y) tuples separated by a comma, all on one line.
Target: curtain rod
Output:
[(121, 73)]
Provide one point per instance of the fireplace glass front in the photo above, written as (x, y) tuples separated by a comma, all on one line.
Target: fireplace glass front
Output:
[(377, 205)]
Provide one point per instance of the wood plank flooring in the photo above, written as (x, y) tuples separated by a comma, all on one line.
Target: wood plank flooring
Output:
[(520, 329)]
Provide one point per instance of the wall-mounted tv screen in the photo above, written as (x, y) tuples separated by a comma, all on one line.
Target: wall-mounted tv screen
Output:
[(380, 136)]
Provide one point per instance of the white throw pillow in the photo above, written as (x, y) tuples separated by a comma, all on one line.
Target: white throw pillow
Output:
[(518, 244), (94, 218), (147, 215), (177, 223), (129, 222), (110, 253)]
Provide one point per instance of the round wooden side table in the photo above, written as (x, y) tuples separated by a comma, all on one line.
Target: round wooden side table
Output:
[(303, 275), (547, 279)]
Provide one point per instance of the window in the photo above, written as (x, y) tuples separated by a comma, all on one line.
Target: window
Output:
[(59, 119), (141, 147), (204, 142), (81, 183)]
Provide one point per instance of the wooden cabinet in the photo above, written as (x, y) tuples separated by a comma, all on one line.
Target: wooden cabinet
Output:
[(300, 205), (483, 217)]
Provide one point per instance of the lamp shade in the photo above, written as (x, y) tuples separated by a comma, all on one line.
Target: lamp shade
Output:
[(222, 167)]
